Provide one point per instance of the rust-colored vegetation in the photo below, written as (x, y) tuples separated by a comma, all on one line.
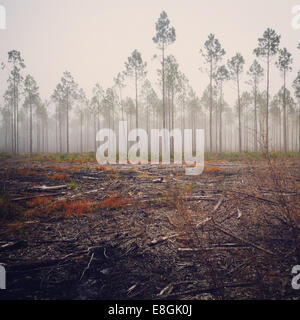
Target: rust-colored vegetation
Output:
[(144, 175), (78, 207), (26, 172), (104, 168), (213, 170), (60, 176), (39, 201), (57, 168), (113, 176), (114, 202), (62, 208)]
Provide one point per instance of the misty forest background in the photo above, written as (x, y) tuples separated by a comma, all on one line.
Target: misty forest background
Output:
[(68, 120)]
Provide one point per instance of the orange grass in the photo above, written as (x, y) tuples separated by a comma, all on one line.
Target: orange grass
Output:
[(25, 172), (103, 168), (39, 201), (60, 176), (212, 170), (62, 208), (113, 202)]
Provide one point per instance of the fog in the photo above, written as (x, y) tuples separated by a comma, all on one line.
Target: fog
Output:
[(93, 39)]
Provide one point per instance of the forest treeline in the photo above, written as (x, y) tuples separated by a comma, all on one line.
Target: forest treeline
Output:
[(68, 120)]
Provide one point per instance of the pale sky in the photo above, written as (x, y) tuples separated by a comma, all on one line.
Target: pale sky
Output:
[(93, 38)]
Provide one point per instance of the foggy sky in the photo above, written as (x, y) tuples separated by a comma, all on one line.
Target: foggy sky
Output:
[(93, 38)]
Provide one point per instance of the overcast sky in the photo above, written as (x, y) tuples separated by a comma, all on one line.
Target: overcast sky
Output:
[(93, 38)]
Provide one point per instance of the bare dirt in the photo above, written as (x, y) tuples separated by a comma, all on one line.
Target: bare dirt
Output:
[(231, 233)]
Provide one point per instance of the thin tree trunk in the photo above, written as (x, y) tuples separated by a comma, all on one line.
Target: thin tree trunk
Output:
[(220, 120), (81, 149), (267, 111), (163, 83), (240, 124), (255, 117), (67, 121), (284, 113), (30, 128), (210, 107)]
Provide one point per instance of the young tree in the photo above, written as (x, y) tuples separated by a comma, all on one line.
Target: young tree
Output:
[(212, 53), (284, 63), (256, 73), (165, 36), (135, 67), (268, 47), (31, 91), (236, 66)]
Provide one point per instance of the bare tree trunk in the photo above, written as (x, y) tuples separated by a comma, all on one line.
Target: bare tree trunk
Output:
[(284, 113), (30, 124), (136, 102), (267, 111), (210, 107), (299, 129), (240, 124), (60, 131), (220, 120), (67, 121), (95, 133), (163, 83), (255, 117), (81, 146)]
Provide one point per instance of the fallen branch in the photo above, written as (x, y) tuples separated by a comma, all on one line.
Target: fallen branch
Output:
[(241, 239), (36, 196), (156, 241), (45, 188), (87, 267), (212, 289), (203, 222), (254, 197)]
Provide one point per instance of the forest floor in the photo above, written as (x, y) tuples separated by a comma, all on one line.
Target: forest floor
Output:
[(77, 230)]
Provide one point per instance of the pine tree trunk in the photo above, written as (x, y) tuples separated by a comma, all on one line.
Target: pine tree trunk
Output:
[(255, 117), (267, 111), (284, 113), (210, 108), (220, 120), (30, 128), (239, 105), (67, 121), (163, 83)]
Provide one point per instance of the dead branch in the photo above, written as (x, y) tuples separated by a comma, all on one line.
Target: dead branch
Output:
[(156, 241), (241, 239), (87, 267)]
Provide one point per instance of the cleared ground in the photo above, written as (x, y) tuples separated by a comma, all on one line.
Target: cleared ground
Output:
[(77, 230)]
